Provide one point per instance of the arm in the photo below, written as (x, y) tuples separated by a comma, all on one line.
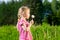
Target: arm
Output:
[(20, 25), (24, 27), (30, 24), (27, 28)]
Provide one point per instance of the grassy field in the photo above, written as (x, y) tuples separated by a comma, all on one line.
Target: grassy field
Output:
[(40, 32)]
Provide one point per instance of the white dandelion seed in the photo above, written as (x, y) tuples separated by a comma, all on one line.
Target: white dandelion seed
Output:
[(33, 16)]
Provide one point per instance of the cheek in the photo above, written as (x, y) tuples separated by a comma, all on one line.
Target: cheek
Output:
[(28, 15)]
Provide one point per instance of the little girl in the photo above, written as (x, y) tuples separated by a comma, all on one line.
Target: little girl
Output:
[(23, 26)]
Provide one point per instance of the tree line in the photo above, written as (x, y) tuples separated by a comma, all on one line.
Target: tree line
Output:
[(48, 12)]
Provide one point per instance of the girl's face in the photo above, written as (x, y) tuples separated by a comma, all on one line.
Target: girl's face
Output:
[(28, 14)]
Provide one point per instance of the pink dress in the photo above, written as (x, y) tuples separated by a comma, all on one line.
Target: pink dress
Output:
[(23, 35)]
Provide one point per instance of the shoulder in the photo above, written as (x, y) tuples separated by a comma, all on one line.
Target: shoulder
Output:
[(20, 21)]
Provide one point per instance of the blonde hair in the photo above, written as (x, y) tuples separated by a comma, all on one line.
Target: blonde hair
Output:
[(21, 10)]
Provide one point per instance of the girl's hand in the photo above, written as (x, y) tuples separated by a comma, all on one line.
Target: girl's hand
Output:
[(31, 22)]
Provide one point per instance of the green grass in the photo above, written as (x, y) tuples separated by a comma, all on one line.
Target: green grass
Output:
[(44, 32), (8, 33)]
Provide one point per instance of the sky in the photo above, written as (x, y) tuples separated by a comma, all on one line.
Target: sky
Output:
[(48, 0)]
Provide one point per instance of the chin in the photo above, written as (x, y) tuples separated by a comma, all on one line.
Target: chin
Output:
[(27, 18)]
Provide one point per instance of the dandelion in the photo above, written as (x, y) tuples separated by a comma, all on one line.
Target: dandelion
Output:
[(33, 16)]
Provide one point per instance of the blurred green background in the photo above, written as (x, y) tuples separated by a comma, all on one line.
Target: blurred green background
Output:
[(44, 11), (47, 19)]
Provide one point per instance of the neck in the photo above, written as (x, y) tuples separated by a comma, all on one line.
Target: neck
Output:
[(24, 18)]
